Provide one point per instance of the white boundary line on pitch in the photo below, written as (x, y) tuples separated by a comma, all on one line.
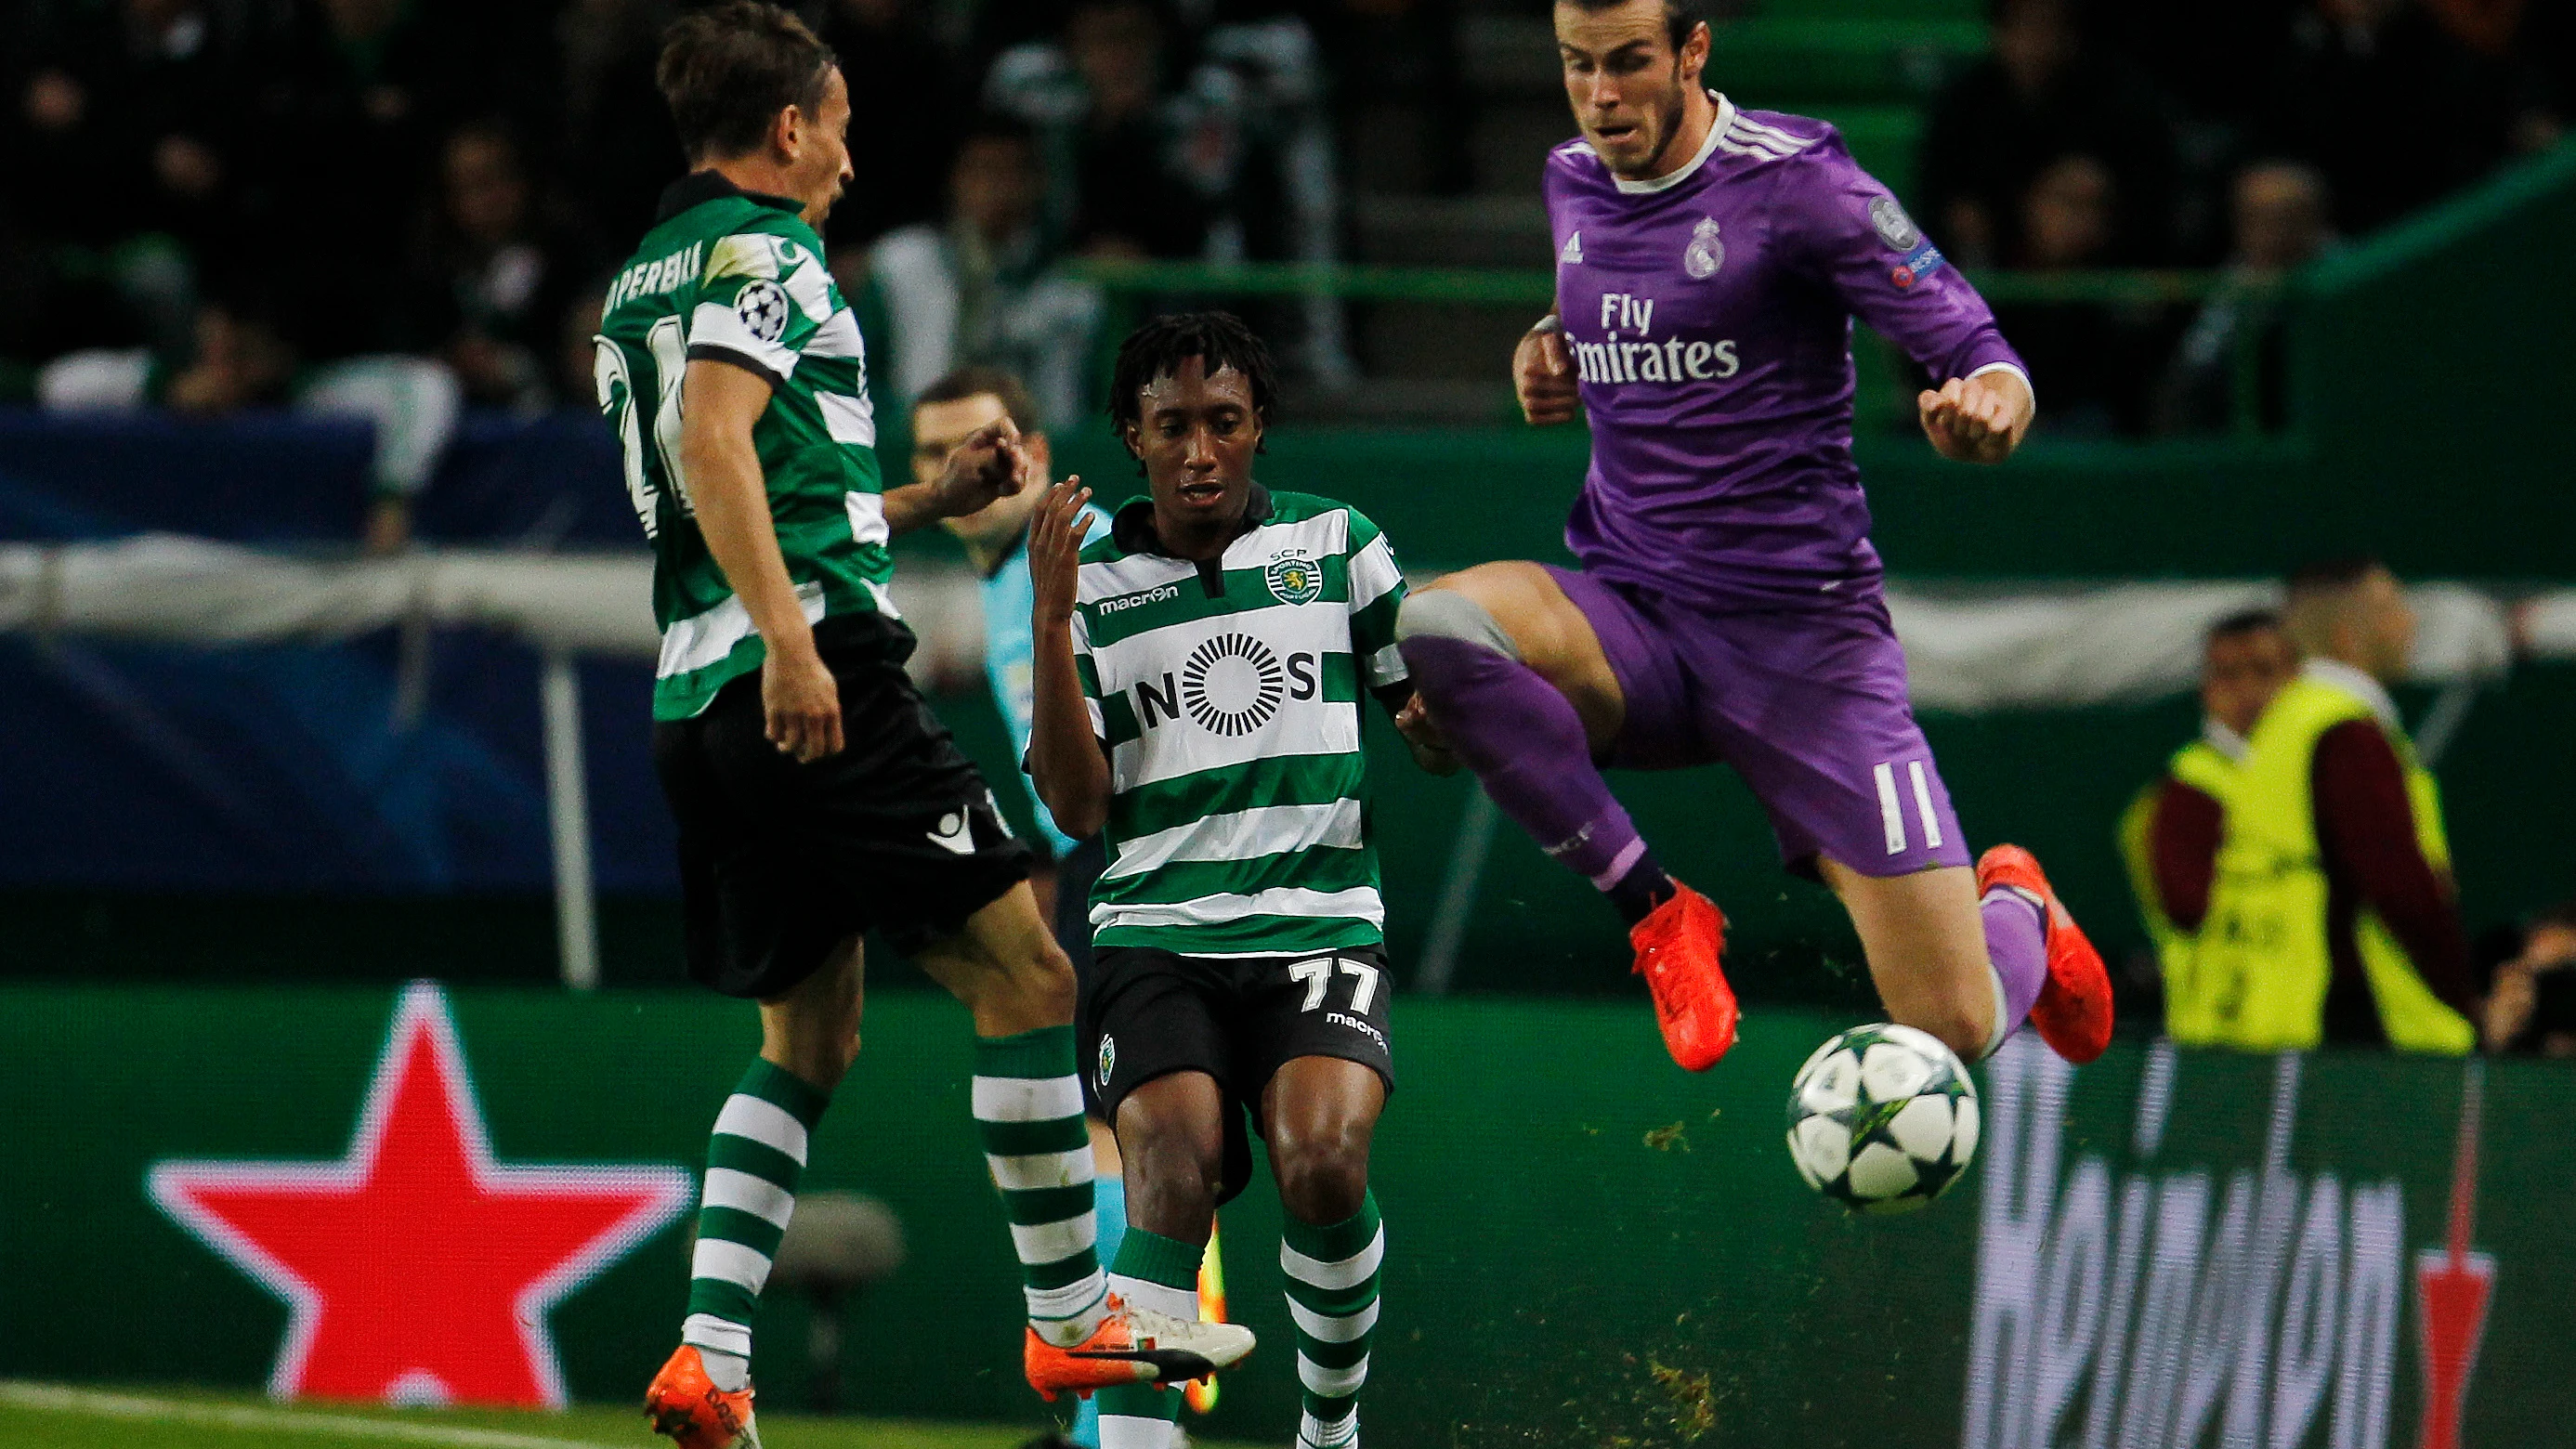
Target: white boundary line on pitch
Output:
[(63, 1400)]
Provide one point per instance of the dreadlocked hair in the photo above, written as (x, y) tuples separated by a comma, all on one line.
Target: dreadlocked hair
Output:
[(1219, 340)]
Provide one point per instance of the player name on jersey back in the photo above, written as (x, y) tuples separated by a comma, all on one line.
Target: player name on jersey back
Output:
[(739, 278), (1230, 701)]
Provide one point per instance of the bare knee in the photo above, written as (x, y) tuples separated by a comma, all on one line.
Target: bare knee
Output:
[(1006, 968), (1041, 978), (1321, 1163), (1171, 1140), (1448, 612), (814, 1031)]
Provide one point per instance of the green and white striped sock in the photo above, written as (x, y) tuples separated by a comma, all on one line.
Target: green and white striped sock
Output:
[(1028, 1109), (753, 1163), (1332, 1294), (1161, 1275)]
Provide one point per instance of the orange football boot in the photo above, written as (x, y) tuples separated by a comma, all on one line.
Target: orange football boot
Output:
[(686, 1405), (2073, 1013), (1677, 952), (1133, 1346), (1201, 1394)]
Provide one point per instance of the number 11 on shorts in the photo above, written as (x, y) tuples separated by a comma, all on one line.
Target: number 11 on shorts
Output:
[(1316, 975)]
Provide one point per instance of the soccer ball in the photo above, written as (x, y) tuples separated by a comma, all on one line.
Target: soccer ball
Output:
[(1882, 1119)]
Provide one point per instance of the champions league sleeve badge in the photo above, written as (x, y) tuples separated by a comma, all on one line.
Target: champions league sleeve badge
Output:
[(1706, 253), (1894, 227), (762, 310)]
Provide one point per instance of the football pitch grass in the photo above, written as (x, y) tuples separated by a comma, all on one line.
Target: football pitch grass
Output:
[(61, 1416)]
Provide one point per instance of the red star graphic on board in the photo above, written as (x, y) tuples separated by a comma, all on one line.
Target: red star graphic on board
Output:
[(417, 1268)]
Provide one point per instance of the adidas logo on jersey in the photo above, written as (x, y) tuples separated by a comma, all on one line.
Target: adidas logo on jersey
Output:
[(1573, 251)]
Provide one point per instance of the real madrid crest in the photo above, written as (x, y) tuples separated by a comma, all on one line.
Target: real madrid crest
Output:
[(1706, 253), (1294, 580)]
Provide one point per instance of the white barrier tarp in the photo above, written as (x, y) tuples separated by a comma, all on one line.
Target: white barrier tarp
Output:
[(1971, 650)]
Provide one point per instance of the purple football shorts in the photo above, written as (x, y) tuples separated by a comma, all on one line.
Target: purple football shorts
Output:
[(1809, 707)]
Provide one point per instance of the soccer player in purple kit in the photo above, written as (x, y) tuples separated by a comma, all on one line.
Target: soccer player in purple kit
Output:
[(1729, 605)]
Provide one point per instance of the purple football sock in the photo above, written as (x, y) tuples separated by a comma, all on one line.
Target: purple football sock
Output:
[(2017, 948), (1527, 746)]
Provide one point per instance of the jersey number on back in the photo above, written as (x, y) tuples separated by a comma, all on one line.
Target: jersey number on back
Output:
[(617, 400)]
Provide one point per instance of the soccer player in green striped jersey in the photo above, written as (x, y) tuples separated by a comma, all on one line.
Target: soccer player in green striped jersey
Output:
[(1200, 676), (816, 796)]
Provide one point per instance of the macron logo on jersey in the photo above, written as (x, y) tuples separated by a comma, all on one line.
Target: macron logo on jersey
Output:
[(1573, 252), (1158, 594)]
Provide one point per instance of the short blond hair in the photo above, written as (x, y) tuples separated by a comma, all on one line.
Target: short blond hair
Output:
[(2318, 594)]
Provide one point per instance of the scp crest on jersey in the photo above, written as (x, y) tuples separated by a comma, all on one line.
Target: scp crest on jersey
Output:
[(1706, 253), (1294, 580), (1232, 684), (762, 306)]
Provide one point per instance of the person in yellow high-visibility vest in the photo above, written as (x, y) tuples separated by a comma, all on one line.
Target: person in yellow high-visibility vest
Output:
[(2333, 917), (2170, 832)]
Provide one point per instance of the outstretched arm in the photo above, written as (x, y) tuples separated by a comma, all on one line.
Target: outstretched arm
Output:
[(1066, 761), (990, 464)]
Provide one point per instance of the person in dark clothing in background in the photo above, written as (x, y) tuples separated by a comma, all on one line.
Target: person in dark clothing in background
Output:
[(2280, 214), (120, 153), (904, 90), (2391, 106), (350, 121), (2040, 97), (1140, 146), (617, 149), (2098, 359), (493, 277)]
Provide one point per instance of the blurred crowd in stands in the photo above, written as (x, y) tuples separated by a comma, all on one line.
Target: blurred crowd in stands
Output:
[(248, 188), (359, 205), (2247, 135)]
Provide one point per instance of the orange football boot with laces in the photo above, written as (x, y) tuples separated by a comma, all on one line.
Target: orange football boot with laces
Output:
[(1677, 952), (685, 1405), (2073, 1013), (1133, 1346)]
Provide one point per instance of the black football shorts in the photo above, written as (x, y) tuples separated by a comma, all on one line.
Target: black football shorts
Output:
[(1150, 1012), (780, 862)]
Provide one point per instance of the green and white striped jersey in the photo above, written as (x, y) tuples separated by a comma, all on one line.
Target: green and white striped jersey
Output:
[(1229, 698), (734, 275)]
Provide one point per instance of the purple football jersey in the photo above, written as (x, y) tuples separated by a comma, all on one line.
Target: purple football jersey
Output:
[(1709, 314)]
